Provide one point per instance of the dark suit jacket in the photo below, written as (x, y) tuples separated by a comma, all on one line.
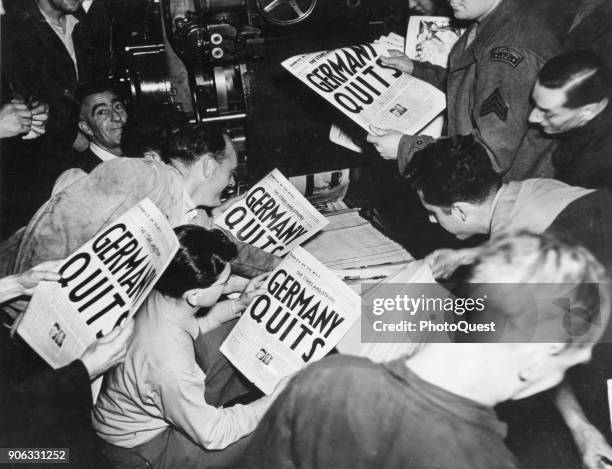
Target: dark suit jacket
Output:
[(594, 32), (584, 155), (37, 65), (87, 160), (42, 407)]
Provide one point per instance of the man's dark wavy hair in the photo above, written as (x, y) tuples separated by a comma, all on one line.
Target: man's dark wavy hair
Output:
[(453, 169), (583, 75), (94, 87), (201, 257), (190, 143)]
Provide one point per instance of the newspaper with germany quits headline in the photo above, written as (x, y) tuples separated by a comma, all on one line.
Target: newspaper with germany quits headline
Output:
[(103, 283), (304, 312), (355, 81), (274, 216)]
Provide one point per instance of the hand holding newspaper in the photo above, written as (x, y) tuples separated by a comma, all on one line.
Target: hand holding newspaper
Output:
[(304, 312), (102, 284), (354, 80), (273, 216)]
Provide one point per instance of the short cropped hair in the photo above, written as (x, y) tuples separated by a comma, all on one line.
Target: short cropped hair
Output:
[(453, 169), (581, 73), (561, 269), (94, 87), (188, 144), (200, 259)]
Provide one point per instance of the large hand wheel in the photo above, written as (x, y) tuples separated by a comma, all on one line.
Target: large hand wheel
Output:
[(286, 12)]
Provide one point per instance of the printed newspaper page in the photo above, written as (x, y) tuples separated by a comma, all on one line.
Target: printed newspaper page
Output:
[(340, 137), (354, 80), (392, 41), (303, 314), (103, 283), (350, 344), (431, 38), (273, 216)]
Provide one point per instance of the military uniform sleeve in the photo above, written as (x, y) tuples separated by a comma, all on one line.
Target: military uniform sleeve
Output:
[(408, 146), (432, 74), (505, 76)]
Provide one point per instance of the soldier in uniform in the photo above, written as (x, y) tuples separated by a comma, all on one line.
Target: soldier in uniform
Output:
[(491, 72)]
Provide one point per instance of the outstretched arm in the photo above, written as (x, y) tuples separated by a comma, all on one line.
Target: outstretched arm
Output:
[(594, 449)]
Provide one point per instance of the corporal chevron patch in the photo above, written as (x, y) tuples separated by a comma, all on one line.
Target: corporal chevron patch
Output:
[(494, 104), (506, 54)]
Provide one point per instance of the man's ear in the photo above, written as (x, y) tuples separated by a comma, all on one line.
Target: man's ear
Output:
[(208, 166), (84, 127), (461, 210), (537, 359), (191, 296), (590, 111)]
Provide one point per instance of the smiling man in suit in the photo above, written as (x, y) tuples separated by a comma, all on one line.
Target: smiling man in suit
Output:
[(101, 119)]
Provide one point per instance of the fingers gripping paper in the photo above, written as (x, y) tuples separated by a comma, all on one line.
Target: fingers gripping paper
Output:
[(304, 312)]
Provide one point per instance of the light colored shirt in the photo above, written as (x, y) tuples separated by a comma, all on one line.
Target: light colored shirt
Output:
[(532, 204), (86, 5), (189, 210), (101, 153), (160, 384), (65, 34)]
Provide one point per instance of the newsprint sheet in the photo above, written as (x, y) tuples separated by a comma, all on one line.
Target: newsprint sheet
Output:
[(274, 216), (354, 81), (303, 314), (431, 38), (103, 283)]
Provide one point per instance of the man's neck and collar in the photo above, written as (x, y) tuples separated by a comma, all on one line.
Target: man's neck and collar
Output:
[(177, 311), (493, 20), (493, 203), (62, 24), (104, 153), (56, 16), (189, 211), (482, 17), (482, 215), (459, 369)]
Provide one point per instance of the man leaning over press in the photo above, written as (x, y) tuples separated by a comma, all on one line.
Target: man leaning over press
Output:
[(201, 161)]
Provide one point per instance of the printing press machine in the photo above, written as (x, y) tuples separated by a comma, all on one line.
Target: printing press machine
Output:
[(220, 61)]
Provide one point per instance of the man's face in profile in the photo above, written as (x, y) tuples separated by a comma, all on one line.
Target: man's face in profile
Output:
[(550, 112)]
